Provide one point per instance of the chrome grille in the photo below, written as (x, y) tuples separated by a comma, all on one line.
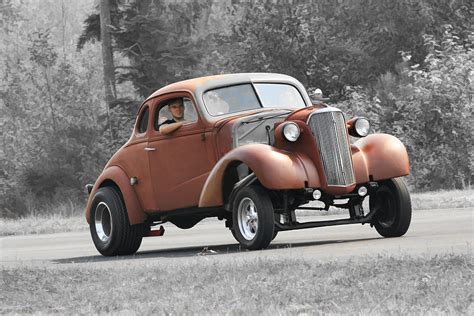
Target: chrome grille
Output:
[(330, 132)]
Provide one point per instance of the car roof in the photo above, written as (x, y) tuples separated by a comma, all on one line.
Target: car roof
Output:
[(199, 85)]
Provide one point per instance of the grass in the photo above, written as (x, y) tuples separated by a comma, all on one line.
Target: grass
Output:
[(443, 199), (42, 224), (268, 286), (67, 217), (64, 216)]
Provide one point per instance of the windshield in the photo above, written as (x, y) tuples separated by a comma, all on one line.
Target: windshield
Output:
[(282, 96), (242, 97)]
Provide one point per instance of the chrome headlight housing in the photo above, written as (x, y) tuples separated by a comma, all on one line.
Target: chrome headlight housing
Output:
[(362, 127), (291, 132)]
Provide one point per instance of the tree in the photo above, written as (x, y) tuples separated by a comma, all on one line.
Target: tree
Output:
[(331, 44), (429, 109), (107, 59), (325, 44), (349, 49), (158, 38), (52, 128)]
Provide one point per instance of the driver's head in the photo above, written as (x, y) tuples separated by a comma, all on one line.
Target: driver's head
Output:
[(176, 108), (318, 94)]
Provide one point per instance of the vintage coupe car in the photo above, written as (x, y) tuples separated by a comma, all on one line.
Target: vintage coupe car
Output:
[(252, 149)]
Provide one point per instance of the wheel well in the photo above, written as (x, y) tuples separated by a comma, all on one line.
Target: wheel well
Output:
[(111, 183), (235, 171), (230, 178)]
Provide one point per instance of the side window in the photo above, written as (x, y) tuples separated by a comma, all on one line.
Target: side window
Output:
[(174, 110), (143, 121)]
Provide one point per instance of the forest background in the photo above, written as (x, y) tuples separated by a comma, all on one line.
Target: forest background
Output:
[(406, 65)]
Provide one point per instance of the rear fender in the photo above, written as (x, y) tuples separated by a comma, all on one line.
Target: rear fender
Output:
[(379, 157), (116, 175), (274, 168)]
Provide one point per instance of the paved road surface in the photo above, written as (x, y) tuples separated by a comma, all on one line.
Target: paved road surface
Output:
[(431, 232)]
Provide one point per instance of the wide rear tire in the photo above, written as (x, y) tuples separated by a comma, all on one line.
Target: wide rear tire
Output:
[(393, 204), (110, 230), (253, 218)]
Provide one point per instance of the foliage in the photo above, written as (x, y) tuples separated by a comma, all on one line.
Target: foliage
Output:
[(54, 132), (430, 110), (51, 128), (332, 45), (160, 40), (168, 41)]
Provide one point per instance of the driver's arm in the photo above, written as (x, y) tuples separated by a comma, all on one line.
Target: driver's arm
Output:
[(170, 128)]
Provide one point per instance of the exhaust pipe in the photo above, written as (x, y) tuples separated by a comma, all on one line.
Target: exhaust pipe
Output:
[(156, 233)]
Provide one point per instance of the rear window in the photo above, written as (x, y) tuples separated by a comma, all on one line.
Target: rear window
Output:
[(143, 121)]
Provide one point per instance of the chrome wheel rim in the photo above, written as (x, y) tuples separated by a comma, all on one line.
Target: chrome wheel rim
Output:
[(247, 218), (103, 222)]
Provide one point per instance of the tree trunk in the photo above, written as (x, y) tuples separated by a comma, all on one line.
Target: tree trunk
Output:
[(63, 28), (107, 59), (50, 98)]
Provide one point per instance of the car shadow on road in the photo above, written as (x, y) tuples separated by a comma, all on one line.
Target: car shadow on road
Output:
[(196, 251)]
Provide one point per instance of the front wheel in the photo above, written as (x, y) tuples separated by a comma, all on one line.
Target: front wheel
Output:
[(275, 233), (110, 230), (393, 204), (253, 218)]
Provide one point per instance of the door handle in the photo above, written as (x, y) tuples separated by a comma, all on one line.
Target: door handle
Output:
[(150, 149)]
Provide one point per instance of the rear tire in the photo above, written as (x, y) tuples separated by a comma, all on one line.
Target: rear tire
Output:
[(110, 230), (392, 200), (253, 218)]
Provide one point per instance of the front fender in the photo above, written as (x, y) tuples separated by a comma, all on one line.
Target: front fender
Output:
[(115, 174), (275, 169), (379, 157)]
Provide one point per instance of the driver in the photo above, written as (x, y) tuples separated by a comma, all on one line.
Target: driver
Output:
[(176, 108)]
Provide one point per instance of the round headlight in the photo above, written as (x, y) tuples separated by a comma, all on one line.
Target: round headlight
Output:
[(291, 132), (362, 127)]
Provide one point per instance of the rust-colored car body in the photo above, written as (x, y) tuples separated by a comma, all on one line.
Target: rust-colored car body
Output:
[(194, 168)]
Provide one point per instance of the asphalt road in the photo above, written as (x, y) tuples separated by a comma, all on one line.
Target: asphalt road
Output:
[(431, 232)]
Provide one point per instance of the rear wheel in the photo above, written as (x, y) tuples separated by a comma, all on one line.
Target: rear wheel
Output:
[(253, 218), (110, 230), (392, 201)]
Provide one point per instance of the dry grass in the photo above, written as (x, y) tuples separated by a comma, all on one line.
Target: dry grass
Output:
[(378, 285), (443, 199), (61, 217), (42, 224), (67, 217)]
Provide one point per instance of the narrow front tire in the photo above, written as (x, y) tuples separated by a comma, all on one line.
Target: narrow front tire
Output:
[(393, 204), (253, 218)]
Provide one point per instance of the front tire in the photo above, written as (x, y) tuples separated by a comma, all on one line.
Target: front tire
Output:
[(110, 230), (392, 200), (253, 218)]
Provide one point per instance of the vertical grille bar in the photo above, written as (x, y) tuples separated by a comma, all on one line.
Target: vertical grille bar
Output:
[(329, 129)]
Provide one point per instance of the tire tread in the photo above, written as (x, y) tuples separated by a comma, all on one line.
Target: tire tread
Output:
[(403, 202), (126, 239)]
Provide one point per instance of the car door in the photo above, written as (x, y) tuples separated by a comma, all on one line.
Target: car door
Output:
[(134, 160), (180, 162)]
